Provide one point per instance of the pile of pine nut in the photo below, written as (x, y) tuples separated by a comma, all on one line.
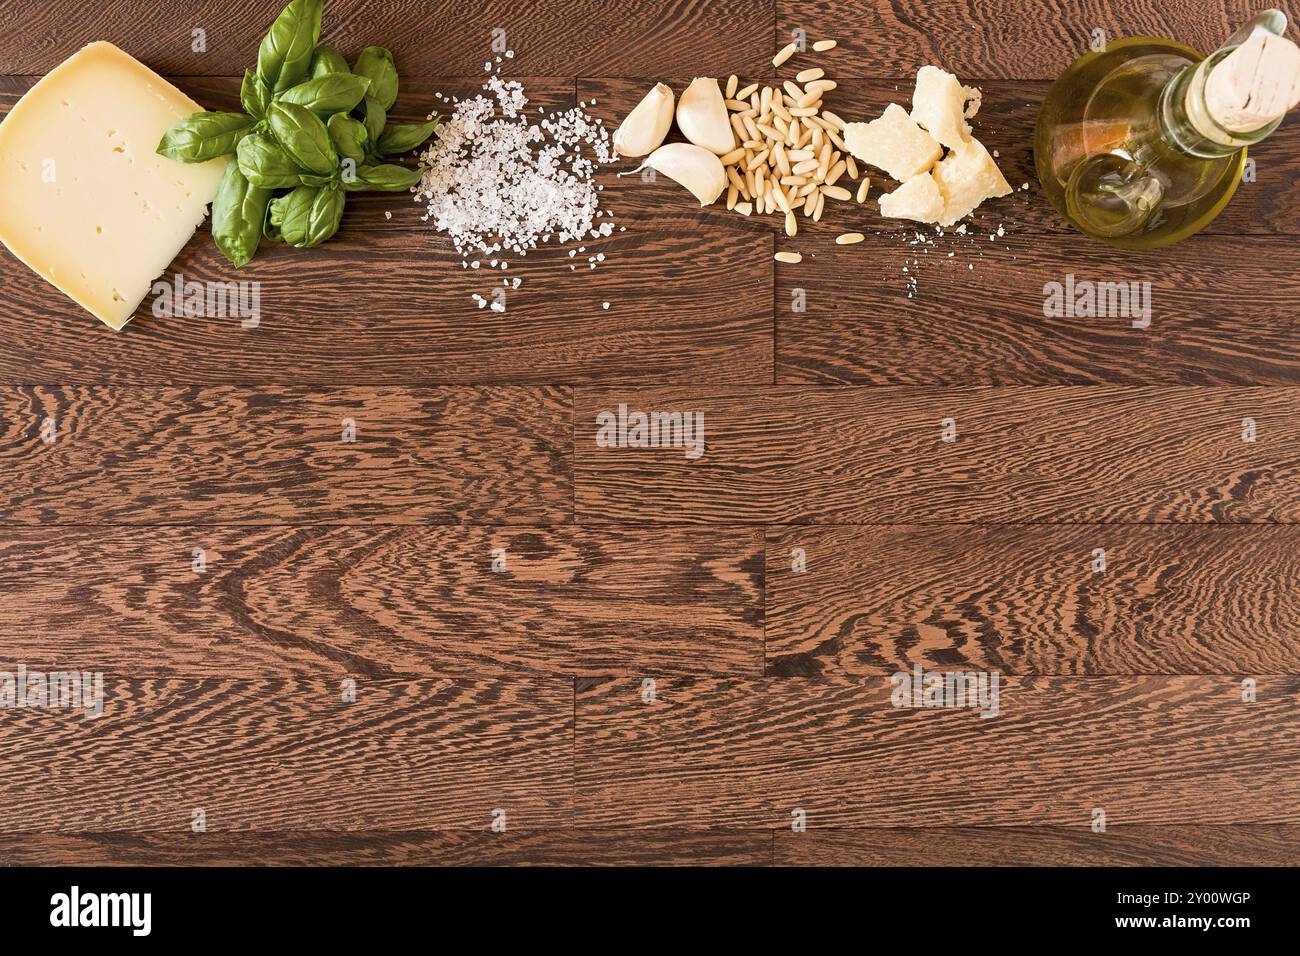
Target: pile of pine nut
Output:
[(791, 155)]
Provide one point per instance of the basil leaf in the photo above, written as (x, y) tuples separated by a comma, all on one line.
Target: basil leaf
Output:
[(376, 118), (284, 56), (203, 136), (308, 216), (238, 212), (376, 64), (404, 137), (265, 164), (303, 136), (327, 60), (386, 177), (311, 179), (329, 94), (348, 136), (253, 95)]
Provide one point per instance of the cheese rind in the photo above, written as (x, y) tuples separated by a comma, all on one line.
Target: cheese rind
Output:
[(894, 143), (918, 198), (966, 178), (85, 200)]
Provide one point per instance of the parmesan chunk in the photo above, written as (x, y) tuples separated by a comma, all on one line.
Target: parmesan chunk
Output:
[(966, 178), (85, 200), (918, 198), (939, 105), (893, 143)]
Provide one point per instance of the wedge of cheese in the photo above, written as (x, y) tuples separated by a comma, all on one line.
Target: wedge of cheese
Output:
[(918, 198), (85, 200), (893, 143)]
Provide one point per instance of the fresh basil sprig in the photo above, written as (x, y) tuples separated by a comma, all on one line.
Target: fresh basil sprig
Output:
[(303, 136), (310, 125), (328, 94), (237, 214), (376, 64), (266, 164), (284, 56), (203, 136)]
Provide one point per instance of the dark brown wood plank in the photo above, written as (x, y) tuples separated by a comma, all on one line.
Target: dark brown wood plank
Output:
[(432, 37), (714, 754), (383, 601), (1266, 206), (126, 455), (393, 848), (996, 38), (274, 754), (1128, 845), (1027, 600), (387, 300), (1221, 311), (875, 455)]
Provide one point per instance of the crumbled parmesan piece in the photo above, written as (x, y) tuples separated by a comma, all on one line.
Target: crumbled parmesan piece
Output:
[(918, 198), (966, 178), (893, 143)]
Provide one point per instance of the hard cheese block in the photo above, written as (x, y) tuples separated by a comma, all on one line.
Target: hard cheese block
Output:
[(84, 198)]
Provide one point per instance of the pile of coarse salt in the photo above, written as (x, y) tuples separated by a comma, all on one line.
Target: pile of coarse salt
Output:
[(498, 184)]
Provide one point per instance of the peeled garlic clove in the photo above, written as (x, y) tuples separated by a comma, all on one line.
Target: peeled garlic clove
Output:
[(644, 129), (692, 166), (702, 117)]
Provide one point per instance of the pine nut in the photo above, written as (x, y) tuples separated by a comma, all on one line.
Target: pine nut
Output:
[(849, 239), (807, 76), (733, 81), (792, 258), (862, 190), (821, 46), (837, 192), (791, 225), (787, 51)]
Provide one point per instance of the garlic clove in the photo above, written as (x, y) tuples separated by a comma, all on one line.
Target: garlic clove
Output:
[(644, 129), (702, 117), (694, 167)]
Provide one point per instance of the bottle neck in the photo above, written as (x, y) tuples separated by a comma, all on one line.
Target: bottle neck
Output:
[(1187, 122)]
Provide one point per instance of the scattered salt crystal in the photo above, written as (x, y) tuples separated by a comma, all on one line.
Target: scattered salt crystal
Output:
[(387, 214), (604, 305)]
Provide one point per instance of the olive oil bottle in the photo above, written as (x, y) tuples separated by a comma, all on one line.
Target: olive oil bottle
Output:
[(1143, 143)]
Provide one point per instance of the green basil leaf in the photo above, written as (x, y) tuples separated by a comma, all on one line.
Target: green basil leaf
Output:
[(269, 229), (376, 64), (348, 136), (203, 136), (311, 179), (253, 95), (327, 60), (329, 94), (404, 137), (265, 163), (238, 212), (284, 56), (303, 136), (308, 216), (376, 118), (386, 177)]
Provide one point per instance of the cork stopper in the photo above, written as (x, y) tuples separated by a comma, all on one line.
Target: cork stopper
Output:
[(1255, 84)]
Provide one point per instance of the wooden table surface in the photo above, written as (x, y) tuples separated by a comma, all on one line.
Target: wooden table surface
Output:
[(649, 680)]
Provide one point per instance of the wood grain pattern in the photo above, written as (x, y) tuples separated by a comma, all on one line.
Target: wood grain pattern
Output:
[(1128, 845), (713, 754), (430, 38), (211, 455), (287, 754), (834, 455), (393, 848), (388, 301), (996, 38), (383, 602), (1026, 600)]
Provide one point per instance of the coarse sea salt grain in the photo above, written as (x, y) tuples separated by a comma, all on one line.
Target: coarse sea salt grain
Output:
[(499, 183)]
